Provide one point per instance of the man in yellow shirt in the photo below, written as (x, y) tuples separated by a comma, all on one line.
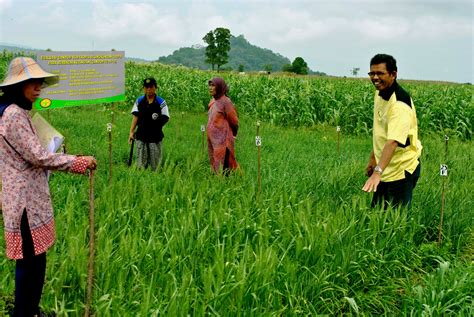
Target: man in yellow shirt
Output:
[(394, 166)]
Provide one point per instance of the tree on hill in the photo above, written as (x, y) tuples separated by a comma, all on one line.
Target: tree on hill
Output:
[(299, 66), (218, 47)]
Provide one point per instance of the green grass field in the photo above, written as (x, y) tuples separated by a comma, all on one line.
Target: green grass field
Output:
[(183, 241)]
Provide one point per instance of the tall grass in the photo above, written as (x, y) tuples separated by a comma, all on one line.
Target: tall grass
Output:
[(183, 241)]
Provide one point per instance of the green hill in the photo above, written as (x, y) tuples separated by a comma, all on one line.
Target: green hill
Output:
[(253, 58)]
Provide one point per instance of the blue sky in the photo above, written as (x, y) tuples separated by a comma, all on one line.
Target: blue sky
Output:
[(431, 39)]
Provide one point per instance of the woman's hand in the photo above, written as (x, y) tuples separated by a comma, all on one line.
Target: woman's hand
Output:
[(91, 162)]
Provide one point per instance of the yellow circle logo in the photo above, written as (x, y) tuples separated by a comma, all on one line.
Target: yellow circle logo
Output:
[(45, 103)]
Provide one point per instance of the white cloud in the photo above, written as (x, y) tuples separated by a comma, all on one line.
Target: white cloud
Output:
[(332, 35), (139, 20), (4, 4), (384, 28)]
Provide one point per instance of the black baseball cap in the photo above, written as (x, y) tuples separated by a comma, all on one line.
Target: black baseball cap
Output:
[(150, 81)]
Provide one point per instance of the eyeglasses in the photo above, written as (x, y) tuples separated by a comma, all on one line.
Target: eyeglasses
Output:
[(379, 74)]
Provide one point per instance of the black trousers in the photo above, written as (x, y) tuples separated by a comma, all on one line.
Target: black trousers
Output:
[(397, 193), (29, 275), (226, 167)]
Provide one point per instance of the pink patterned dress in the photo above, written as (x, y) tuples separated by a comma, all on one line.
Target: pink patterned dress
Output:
[(23, 166), (222, 128)]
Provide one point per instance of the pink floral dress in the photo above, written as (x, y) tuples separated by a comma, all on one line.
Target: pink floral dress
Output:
[(222, 128), (23, 166)]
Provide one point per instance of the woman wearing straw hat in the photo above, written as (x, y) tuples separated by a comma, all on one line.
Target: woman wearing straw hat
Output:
[(26, 203)]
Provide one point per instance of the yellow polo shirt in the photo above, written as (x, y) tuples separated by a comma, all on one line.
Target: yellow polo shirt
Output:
[(395, 119)]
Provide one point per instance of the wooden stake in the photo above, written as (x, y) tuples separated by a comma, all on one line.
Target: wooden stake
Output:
[(109, 130), (258, 143), (338, 129), (444, 174), (90, 265), (203, 129)]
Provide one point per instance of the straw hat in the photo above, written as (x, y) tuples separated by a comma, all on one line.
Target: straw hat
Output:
[(24, 68)]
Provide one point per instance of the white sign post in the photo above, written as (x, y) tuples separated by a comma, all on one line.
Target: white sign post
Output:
[(109, 132), (443, 172), (203, 130), (258, 143), (338, 130)]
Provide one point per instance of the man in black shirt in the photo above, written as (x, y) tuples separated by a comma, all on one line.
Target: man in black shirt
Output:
[(150, 114)]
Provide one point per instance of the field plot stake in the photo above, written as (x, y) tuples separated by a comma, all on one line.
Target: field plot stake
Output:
[(338, 130), (258, 143), (443, 172), (90, 265), (109, 132), (203, 129)]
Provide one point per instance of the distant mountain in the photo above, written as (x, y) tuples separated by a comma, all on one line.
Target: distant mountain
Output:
[(253, 58)]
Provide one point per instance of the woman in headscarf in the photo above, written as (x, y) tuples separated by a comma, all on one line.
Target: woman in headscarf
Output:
[(222, 127), (26, 202)]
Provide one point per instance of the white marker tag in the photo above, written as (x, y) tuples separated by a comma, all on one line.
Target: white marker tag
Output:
[(258, 141), (203, 128), (338, 128), (446, 137), (109, 127), (443, 170)]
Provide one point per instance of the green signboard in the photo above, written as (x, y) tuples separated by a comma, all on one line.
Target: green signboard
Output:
[(85, 78)]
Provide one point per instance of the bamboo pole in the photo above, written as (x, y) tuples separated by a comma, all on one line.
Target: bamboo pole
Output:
[(109, 132), (444, 174), (338, 129), (258, 143), (203, 129)]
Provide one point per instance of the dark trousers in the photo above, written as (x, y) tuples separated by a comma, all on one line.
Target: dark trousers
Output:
[(29, 275), (397, 193), (226, 167)]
